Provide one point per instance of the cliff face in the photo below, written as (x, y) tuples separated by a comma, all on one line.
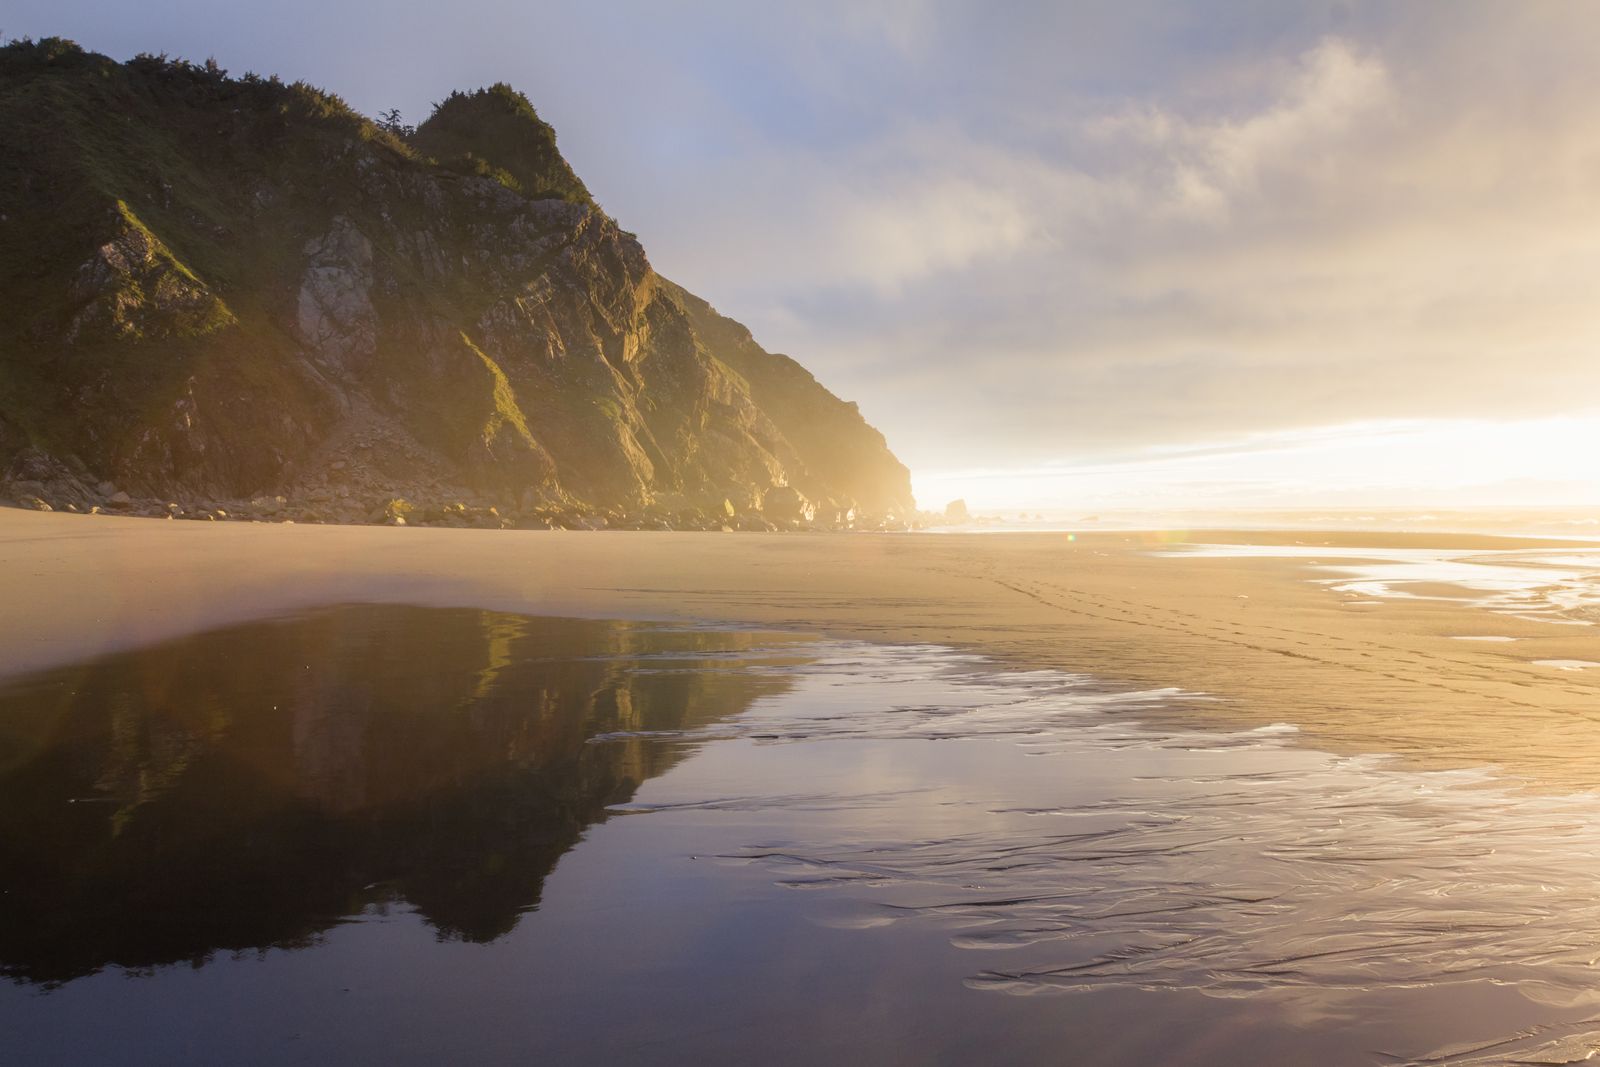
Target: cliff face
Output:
[(221, 289)]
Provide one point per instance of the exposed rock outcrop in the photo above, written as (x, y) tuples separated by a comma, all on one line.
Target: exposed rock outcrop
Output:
[(223, 291)]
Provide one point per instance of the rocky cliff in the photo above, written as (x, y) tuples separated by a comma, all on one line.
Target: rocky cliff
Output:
[(237, 295)]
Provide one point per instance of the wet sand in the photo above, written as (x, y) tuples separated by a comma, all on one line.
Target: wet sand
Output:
[(423, 835), (1262, 635)]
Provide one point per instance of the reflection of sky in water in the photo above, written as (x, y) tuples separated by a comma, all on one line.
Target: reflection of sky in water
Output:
[(1558, 586), (879, 854)]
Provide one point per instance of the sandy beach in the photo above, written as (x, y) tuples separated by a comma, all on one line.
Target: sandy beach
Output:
[(1272, 639)]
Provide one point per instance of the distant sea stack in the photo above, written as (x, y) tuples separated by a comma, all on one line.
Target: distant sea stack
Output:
[(235, 297)]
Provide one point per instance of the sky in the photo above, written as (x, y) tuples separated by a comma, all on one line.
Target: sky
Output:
[(1239, 253)]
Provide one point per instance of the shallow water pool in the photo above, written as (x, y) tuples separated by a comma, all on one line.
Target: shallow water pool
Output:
[(379, 835)]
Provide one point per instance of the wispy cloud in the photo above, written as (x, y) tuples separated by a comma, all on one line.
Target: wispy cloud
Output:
[(1061, 230)]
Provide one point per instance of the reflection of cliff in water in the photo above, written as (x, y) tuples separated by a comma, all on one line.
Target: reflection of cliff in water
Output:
[(254, 786)]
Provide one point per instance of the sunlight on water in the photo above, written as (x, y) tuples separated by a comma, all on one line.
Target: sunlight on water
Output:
[(1559, 586), (1233, 864), (464, 835)]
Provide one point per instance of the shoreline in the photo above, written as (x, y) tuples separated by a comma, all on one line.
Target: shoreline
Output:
[(1255, 633), (457, 511)]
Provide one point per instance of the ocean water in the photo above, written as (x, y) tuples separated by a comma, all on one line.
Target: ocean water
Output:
[(1560, 585), (1565, 522), (391, 835)]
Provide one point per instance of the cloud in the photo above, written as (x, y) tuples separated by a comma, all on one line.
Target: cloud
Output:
[(1053, 231), (1205, 165), (1352, 231), (869, 227)]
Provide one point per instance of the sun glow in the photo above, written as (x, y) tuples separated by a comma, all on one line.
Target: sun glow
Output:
[(1435, 463)]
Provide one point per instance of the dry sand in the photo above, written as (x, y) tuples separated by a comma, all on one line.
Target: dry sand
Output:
[(1256, 633)]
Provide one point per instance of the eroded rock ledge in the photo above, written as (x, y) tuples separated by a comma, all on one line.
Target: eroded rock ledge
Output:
[(236, 295)]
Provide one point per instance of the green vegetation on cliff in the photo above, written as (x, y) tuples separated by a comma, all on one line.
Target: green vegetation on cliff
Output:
[(222, 287), (496, 132)]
